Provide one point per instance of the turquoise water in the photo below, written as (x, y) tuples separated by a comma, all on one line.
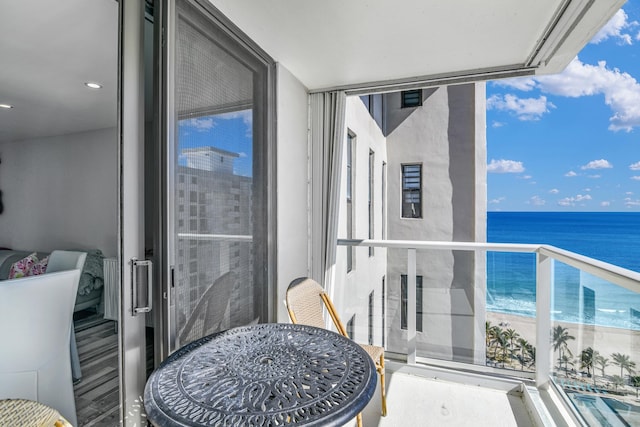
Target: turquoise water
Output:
[(613, 237)]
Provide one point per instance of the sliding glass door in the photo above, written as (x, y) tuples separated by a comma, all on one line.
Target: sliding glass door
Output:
[(219, 170)]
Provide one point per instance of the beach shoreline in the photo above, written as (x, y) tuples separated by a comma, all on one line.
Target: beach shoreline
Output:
[(605, 340)]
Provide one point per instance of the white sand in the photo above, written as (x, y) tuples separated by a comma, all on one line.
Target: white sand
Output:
[(602, 339)]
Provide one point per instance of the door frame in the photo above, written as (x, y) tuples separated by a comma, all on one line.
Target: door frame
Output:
[(131, 327), (165, 217)]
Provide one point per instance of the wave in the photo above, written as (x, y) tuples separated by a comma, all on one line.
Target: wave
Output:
[(608, 317)]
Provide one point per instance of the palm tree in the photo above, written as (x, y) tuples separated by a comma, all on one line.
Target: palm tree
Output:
[(617, 381), (496, 341), (522, 356), (587, 361), (560, 341), (623, 360), (602, 363), (566, 359), (635, 381), (492, 338), (531, 353), (510, 335)]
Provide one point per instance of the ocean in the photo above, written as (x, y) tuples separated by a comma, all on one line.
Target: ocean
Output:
[(613, 237)]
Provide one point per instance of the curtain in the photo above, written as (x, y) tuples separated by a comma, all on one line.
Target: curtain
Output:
[(327, 140)]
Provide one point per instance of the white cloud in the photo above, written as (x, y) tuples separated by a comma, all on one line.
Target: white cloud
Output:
[(527, 177), (524, 84), (523, 108), (505, 166), (621, 91), (554, 191), (245, 115), (594, 176), (571, 174), (497, 201), (536, 201), (635, 166), (605, 204), (571, 201), (201, 125), (629, 193), (616, 28), (242, 154), (629, 202), (496, 124), (597, 164), (636, 178), (587, 190)]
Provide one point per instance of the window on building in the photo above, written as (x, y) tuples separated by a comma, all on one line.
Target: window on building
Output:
[(383, 203), (374, 104), (350, 174), (351, 327), (404, 295), (371, 207), (370, 326), (412, 191), (411, 98)]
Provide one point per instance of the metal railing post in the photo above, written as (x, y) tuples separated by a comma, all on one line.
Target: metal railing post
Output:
[(411, 306), (544, 282)]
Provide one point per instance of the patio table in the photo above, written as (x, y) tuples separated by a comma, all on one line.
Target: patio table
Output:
[(262, 375)]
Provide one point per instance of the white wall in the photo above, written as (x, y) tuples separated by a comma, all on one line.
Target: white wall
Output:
[(447, 137), (351, 290), (60, 192), (292, 184)]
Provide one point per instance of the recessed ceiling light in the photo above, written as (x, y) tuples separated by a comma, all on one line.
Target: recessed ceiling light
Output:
[(6, 106), (93, 85)]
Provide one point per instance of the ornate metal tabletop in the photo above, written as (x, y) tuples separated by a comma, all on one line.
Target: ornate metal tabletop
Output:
[(262, 375)]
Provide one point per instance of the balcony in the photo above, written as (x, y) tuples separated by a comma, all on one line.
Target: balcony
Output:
[(556, 346)]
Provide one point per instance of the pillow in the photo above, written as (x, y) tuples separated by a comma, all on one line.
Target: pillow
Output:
[(39, 267), (22, 267)]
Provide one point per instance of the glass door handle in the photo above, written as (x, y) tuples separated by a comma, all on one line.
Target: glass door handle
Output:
[(141, 294)]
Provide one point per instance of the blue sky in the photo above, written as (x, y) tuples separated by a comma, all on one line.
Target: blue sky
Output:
[(571, 141), (228, 131)]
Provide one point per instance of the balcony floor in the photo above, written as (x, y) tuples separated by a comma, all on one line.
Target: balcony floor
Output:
[(414, 400)]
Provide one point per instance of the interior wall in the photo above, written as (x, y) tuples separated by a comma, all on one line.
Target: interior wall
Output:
[(292, 184), (60, 192)]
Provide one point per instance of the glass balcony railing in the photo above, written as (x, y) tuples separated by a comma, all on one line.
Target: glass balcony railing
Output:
[(534, 312)]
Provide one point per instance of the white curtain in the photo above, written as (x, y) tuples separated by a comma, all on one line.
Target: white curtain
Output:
[(327, 140)]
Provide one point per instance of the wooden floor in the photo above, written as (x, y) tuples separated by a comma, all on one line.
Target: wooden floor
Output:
[(97, 393)]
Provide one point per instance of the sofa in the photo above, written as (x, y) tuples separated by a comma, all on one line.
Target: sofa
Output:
[(90, 287)]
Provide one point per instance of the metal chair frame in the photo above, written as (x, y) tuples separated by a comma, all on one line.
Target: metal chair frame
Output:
[(310, 313)]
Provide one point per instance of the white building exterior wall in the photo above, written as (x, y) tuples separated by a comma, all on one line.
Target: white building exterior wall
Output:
[(446, 136), (351, 290)]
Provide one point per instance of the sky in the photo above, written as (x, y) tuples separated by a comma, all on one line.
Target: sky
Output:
[(571, 141), (228, 131)]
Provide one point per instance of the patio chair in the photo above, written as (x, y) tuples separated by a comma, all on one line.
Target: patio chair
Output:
[(35, 325), (305, 300), (62, 261), (209, 312)]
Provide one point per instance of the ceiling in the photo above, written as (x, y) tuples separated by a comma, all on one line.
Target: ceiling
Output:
[(364, 43), (49, 49)]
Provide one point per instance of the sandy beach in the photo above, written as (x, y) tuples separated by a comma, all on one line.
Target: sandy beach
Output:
[(602, 339)]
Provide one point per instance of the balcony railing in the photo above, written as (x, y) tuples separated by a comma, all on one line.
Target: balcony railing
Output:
[(586, 317)]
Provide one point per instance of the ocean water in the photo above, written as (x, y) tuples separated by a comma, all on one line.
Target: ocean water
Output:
[(613, 237)]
